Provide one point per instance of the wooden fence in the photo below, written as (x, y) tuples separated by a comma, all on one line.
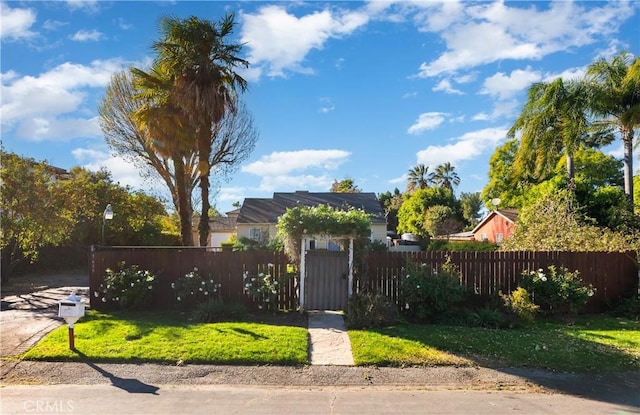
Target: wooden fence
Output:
[(613, 275)]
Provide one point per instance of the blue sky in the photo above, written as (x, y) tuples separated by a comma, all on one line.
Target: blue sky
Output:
[(364, 90)]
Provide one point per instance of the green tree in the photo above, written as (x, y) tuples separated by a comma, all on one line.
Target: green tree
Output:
[(204, 63), (346, 185), (553, 121), (141, 125), (441, 220), (471, 204), (555, 223), (504, 182), (446, 176), (419, 177), (412, 213), (391, 203), (615, 89), (33, 214)]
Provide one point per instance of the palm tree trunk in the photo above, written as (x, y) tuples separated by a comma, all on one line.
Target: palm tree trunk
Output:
[(184, 210), (204, 150), (571, 172), (627, 139)]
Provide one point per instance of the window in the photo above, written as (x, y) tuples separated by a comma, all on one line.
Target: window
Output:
[(483, 237), (255, 234), (312, 244), (499, 238)]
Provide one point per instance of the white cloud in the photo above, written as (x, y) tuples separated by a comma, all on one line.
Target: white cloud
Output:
[(485, 33), (280, 170), (53, 24), (16, 23), (89, 6), (279, 42), (445, 86), (506, 86), (51, 105), (122, 171), (427, 121), (467, 147), (87, 36)]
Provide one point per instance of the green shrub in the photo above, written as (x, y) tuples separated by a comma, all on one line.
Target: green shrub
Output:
[(369, 310), (487, 318), (126, 288), (263, 287), (461, 246), (216, 310), (520, 304), (427, 293), (558, 291), (627, 307), (192, 288)]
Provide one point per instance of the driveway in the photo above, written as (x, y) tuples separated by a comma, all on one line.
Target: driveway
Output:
[(30, 309)]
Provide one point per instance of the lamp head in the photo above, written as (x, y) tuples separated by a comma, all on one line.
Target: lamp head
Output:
[(108, 212)]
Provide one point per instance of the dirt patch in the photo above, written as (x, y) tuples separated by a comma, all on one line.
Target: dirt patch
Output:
[(29, 283)]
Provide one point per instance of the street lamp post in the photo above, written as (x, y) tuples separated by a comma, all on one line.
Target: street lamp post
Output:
[(106, 215)]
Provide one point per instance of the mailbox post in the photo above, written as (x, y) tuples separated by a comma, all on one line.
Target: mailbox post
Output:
[(71, 309)]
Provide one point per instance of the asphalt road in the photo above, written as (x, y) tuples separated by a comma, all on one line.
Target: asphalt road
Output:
[(211, 399)]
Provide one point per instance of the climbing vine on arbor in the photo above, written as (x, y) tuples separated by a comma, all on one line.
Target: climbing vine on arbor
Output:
[(322, 220)]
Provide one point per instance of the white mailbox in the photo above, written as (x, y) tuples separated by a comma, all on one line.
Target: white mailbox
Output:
[(71, 309)]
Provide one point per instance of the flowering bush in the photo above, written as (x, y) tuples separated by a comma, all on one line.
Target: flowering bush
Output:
[(193, 288), (427, 292), (520, 304), (263, 287), (128, 287), (557, 291)]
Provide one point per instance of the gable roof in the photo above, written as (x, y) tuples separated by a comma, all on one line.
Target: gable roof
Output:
[(509, 214), (222, 223), (263, 210)]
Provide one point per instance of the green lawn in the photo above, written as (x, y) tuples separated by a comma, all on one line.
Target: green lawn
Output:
[(165, 338), (591, 344)]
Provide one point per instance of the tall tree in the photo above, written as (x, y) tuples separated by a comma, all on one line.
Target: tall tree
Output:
[(32, 213), (346, 185), (446, 176), (615, 87), (419, 177), (553, 121), (141, 125), (471, 204), (198, 53)]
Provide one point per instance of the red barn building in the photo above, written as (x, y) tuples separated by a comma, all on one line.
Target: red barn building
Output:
[(496, 226)]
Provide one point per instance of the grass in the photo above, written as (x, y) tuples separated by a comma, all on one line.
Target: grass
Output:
[(593, 343), (165, 338)]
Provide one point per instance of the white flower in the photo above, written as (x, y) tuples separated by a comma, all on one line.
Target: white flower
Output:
[(202, 283), (132, 284), (150, 287), (211, 281), (178, 298), (206, 293), (104, 300), (195, 269), (543, 278), (406, 306), (417, 286), (95, 294), (173, 285), (200, 289)]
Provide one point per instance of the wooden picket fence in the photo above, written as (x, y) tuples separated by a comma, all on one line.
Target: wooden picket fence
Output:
[(613, 275)]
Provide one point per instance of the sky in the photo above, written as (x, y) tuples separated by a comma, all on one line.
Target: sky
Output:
[(360, 90)]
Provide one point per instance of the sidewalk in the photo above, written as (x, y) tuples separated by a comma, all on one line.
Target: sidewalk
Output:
[(329, 342)]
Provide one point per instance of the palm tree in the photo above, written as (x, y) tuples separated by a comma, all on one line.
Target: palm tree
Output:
[(169, 133), (445, 176), (553, 121), (615, 87), (198, 54), (419, 177)]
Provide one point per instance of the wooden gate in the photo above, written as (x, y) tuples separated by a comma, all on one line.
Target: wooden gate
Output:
[(326, 280)]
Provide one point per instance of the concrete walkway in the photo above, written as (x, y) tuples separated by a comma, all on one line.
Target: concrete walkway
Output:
[(329, 342)]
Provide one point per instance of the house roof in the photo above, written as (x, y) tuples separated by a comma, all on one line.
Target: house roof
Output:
[(263, 210), (222, 223), (509, 214)]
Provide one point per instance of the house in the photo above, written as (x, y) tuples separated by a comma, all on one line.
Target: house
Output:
[(496, 226), (221, 228), (258, 216)]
